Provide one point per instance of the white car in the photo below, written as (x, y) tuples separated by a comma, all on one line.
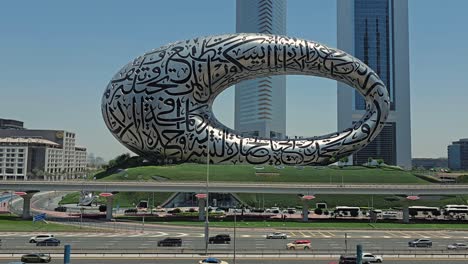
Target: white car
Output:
[(39, 238), (276, 235), (272, 210), (369, 257), (457, 246), (212, 261), (299, 244)]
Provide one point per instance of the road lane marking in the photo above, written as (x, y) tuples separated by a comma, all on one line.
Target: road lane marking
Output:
[(159, 235)]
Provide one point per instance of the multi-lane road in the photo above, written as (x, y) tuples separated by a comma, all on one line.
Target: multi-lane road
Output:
[(246, 240)]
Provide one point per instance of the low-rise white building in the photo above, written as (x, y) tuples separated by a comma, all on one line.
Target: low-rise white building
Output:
[(45, 154), (25, 158)]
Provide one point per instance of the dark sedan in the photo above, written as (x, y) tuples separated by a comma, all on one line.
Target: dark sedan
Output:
[(35, 258), (49, 242)]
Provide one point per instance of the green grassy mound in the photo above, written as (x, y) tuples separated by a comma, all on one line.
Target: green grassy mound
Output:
[(247, 173)]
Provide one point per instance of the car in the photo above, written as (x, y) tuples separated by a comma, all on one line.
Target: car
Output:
[(36, 258), (60, 209), (350, 259), (274, 210), (347, 259), (170, 242), (220, 239), (41, 237), (49, 242), (212, 261), (276, 235), (422, 242), (371, 258), (299, 244), (457, 246)]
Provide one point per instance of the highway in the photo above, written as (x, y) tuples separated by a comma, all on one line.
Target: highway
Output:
[(233, 187), (238, 261), (247, 241)]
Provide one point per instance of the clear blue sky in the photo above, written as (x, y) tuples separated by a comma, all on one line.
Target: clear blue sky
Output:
[(57, 57)]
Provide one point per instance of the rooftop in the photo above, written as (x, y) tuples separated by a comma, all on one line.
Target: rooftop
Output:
[(19, 140)]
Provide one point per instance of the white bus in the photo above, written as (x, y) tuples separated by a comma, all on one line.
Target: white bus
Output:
[(347, 211), (456, 209), (424, 211)]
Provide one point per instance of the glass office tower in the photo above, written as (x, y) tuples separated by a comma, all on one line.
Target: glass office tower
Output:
[(260, 104), (376, 32)]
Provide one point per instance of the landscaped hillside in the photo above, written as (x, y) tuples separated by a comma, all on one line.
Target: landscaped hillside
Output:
[(249, 173)]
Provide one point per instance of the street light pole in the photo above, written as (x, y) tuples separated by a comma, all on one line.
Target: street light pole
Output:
[(81, 216), (346, 242), (235, 222), (207, 195), (10, 202)]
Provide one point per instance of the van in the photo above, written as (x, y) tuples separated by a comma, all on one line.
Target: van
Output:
[(390, 215)]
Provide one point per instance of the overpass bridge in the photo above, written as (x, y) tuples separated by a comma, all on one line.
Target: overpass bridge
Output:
[(32, 187), (237, 187)]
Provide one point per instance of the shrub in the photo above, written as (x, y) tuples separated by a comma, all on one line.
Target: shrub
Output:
[(102, 208), (318, 211)]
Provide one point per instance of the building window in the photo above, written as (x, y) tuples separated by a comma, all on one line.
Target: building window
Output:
[(19, 171), (9, 171), (20, 150), (20, 155)]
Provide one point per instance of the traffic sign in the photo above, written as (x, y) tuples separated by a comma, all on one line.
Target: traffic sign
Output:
[(412, 197), (201, 195), (39, 217), (308, 197)]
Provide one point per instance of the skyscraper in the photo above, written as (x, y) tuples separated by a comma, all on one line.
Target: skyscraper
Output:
[(458, 155), (260, 104), (376, 32)]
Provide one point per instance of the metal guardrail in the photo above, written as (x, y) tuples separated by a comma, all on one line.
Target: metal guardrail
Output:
[(238, 187), (78, 253)]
